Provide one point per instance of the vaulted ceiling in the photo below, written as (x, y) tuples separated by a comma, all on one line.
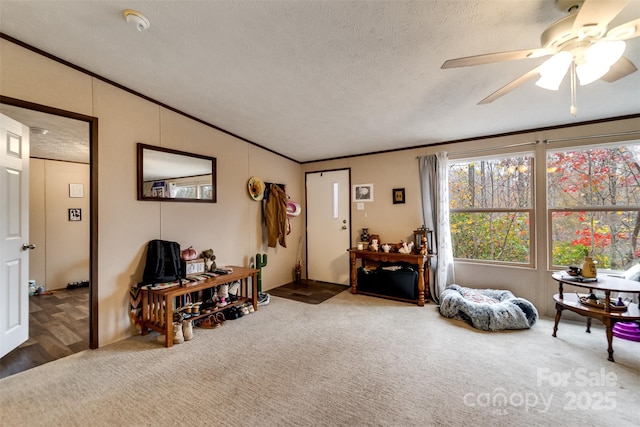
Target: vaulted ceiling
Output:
[(322, 79)]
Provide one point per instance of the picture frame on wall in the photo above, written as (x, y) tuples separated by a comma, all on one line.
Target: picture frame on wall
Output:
[(75, 214), (398, 195), (363, 193)]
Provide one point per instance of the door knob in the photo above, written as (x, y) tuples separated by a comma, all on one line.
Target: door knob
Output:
[(26, 246)]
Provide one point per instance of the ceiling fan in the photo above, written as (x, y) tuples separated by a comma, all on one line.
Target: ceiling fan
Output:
[(579, 42)]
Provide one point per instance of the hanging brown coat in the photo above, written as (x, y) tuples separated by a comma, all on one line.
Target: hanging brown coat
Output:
[(275, 213)]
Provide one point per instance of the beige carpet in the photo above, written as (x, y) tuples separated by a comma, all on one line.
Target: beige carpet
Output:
[(350, 361)]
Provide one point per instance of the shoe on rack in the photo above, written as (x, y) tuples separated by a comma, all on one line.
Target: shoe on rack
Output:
[(220, 317), (208, 322), (234, 287), (232, 313)]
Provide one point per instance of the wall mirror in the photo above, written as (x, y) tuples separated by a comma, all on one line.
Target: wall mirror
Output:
[(168, 175)]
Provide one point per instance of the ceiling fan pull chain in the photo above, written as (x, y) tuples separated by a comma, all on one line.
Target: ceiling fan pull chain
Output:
[(573, 110)]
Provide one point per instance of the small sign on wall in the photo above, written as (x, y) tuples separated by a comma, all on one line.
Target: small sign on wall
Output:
[(76, 190), (75, 214)]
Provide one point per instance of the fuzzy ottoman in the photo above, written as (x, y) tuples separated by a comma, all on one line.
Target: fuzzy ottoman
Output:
[(487, 309)]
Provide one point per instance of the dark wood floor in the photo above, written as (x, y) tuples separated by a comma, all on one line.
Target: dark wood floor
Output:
[(58, 327), (308, 291)]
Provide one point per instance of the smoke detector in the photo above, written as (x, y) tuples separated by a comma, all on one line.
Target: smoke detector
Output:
[(38, 131), (141, 21)]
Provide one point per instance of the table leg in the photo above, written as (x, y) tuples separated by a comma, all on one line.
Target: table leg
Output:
[(421, 284), (354, 273), (588, 325), (168, 339), (168, 320), (145, 312), (254, 290), (427, 280), (609, 328), (558, 314)]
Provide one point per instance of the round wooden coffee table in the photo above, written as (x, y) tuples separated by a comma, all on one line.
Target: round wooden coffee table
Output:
[(606, 315)]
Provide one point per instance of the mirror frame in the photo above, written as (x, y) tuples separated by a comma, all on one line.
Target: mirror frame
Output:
[(140, 183)]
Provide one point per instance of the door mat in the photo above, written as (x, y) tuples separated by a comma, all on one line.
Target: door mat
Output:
[(308, 291)]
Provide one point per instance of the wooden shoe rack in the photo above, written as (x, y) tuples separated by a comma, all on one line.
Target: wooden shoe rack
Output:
[(158, 304)]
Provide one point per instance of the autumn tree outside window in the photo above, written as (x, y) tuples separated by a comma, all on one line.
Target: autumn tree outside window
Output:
[(593, 200), (491, 205)]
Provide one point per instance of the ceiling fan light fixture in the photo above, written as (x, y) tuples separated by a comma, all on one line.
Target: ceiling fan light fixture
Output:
[(549, 82), (598, 59), (589, 72), (553, 70), (605, 52)]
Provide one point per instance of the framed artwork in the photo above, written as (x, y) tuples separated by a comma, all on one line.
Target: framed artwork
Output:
[(363, 193), (76, 190), (398, 195), (75, 214)]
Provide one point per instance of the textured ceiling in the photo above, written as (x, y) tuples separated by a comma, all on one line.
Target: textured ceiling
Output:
[(65, 139), (314, 80)]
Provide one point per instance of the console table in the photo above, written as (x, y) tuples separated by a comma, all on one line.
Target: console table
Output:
[(157, 304), (422, 261), (609, 318)]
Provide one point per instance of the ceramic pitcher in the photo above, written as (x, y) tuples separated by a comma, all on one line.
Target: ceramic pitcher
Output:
[(187, 329), (588, 268)]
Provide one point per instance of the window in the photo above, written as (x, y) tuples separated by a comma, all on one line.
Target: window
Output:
[(492, 209), (206, 191), (593, 199), (185, 192)]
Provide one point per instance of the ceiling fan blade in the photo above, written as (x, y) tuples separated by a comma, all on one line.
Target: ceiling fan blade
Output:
[(625, 31), (620, 69), (498, 57), (511, 86), (596, 14)]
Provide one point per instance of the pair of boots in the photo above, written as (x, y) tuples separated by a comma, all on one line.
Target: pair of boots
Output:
[(182, 331)]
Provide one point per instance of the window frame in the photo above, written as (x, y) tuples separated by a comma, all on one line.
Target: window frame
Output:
[(531, 210), (552, 210)]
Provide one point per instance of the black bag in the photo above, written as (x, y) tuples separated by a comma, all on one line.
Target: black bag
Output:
[(163, 263)]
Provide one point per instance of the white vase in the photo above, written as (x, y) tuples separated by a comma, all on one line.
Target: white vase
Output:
[(187, 330)]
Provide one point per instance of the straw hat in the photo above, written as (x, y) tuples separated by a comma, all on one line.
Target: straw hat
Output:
[(256, 188)]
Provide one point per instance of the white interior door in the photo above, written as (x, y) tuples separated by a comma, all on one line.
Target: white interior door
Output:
[(328, 226), (14, 233)]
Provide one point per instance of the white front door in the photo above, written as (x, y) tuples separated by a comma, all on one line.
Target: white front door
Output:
[(14, 233), (328, 226)]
